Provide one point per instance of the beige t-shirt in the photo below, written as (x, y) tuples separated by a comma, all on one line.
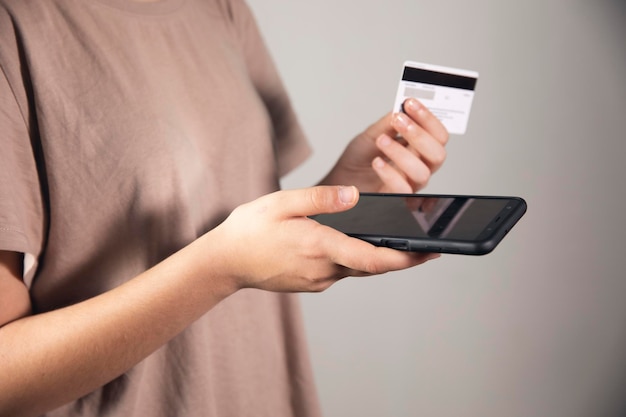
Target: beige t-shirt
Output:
[(127, 130)]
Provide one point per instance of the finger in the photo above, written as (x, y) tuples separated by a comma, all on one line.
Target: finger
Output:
[(428, 121), (392, 179), (363, 258), (411, 167), (315, 200), (424, 145)]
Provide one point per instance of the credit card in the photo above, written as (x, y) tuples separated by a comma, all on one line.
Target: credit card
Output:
[(447, 92)]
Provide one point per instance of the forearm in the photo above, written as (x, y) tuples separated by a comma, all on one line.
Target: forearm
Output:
[(47, 360)]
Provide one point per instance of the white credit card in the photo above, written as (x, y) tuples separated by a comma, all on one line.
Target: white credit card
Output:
[(447, 92)]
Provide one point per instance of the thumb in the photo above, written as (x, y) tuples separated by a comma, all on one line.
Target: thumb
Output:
[(318, 200)]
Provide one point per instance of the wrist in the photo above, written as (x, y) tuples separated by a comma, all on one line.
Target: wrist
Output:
[(214, 267)]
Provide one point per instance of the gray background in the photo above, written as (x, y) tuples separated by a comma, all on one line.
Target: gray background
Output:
[(538, 327)]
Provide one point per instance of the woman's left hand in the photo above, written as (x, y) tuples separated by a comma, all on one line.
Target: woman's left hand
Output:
[(397, 154)]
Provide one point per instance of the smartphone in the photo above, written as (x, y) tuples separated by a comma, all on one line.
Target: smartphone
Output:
[(461, 224)]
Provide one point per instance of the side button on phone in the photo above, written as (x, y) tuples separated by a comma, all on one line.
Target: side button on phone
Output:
[(396, 244)]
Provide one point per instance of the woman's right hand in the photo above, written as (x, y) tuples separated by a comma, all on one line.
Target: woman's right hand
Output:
[(272, 244)]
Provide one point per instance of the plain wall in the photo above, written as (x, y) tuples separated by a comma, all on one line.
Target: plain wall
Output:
[(538, 327)]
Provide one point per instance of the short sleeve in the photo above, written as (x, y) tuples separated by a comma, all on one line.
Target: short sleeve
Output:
[(21, 214), (291, 144)]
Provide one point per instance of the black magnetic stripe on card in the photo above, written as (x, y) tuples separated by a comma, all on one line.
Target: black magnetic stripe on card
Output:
[(419, 75)]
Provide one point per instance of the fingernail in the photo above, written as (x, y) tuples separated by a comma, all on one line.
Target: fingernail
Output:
[(412, 104), (378, 162), (400, 120), (347, 195), (384, 140)]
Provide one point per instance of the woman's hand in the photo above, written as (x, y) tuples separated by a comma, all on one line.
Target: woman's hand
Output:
[(272, 244), (269, 243), (396, 154)]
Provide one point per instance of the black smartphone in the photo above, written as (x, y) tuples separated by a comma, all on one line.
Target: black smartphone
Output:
[(462, 224)]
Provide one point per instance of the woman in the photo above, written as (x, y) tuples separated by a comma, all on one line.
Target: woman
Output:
[(146, 256)]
